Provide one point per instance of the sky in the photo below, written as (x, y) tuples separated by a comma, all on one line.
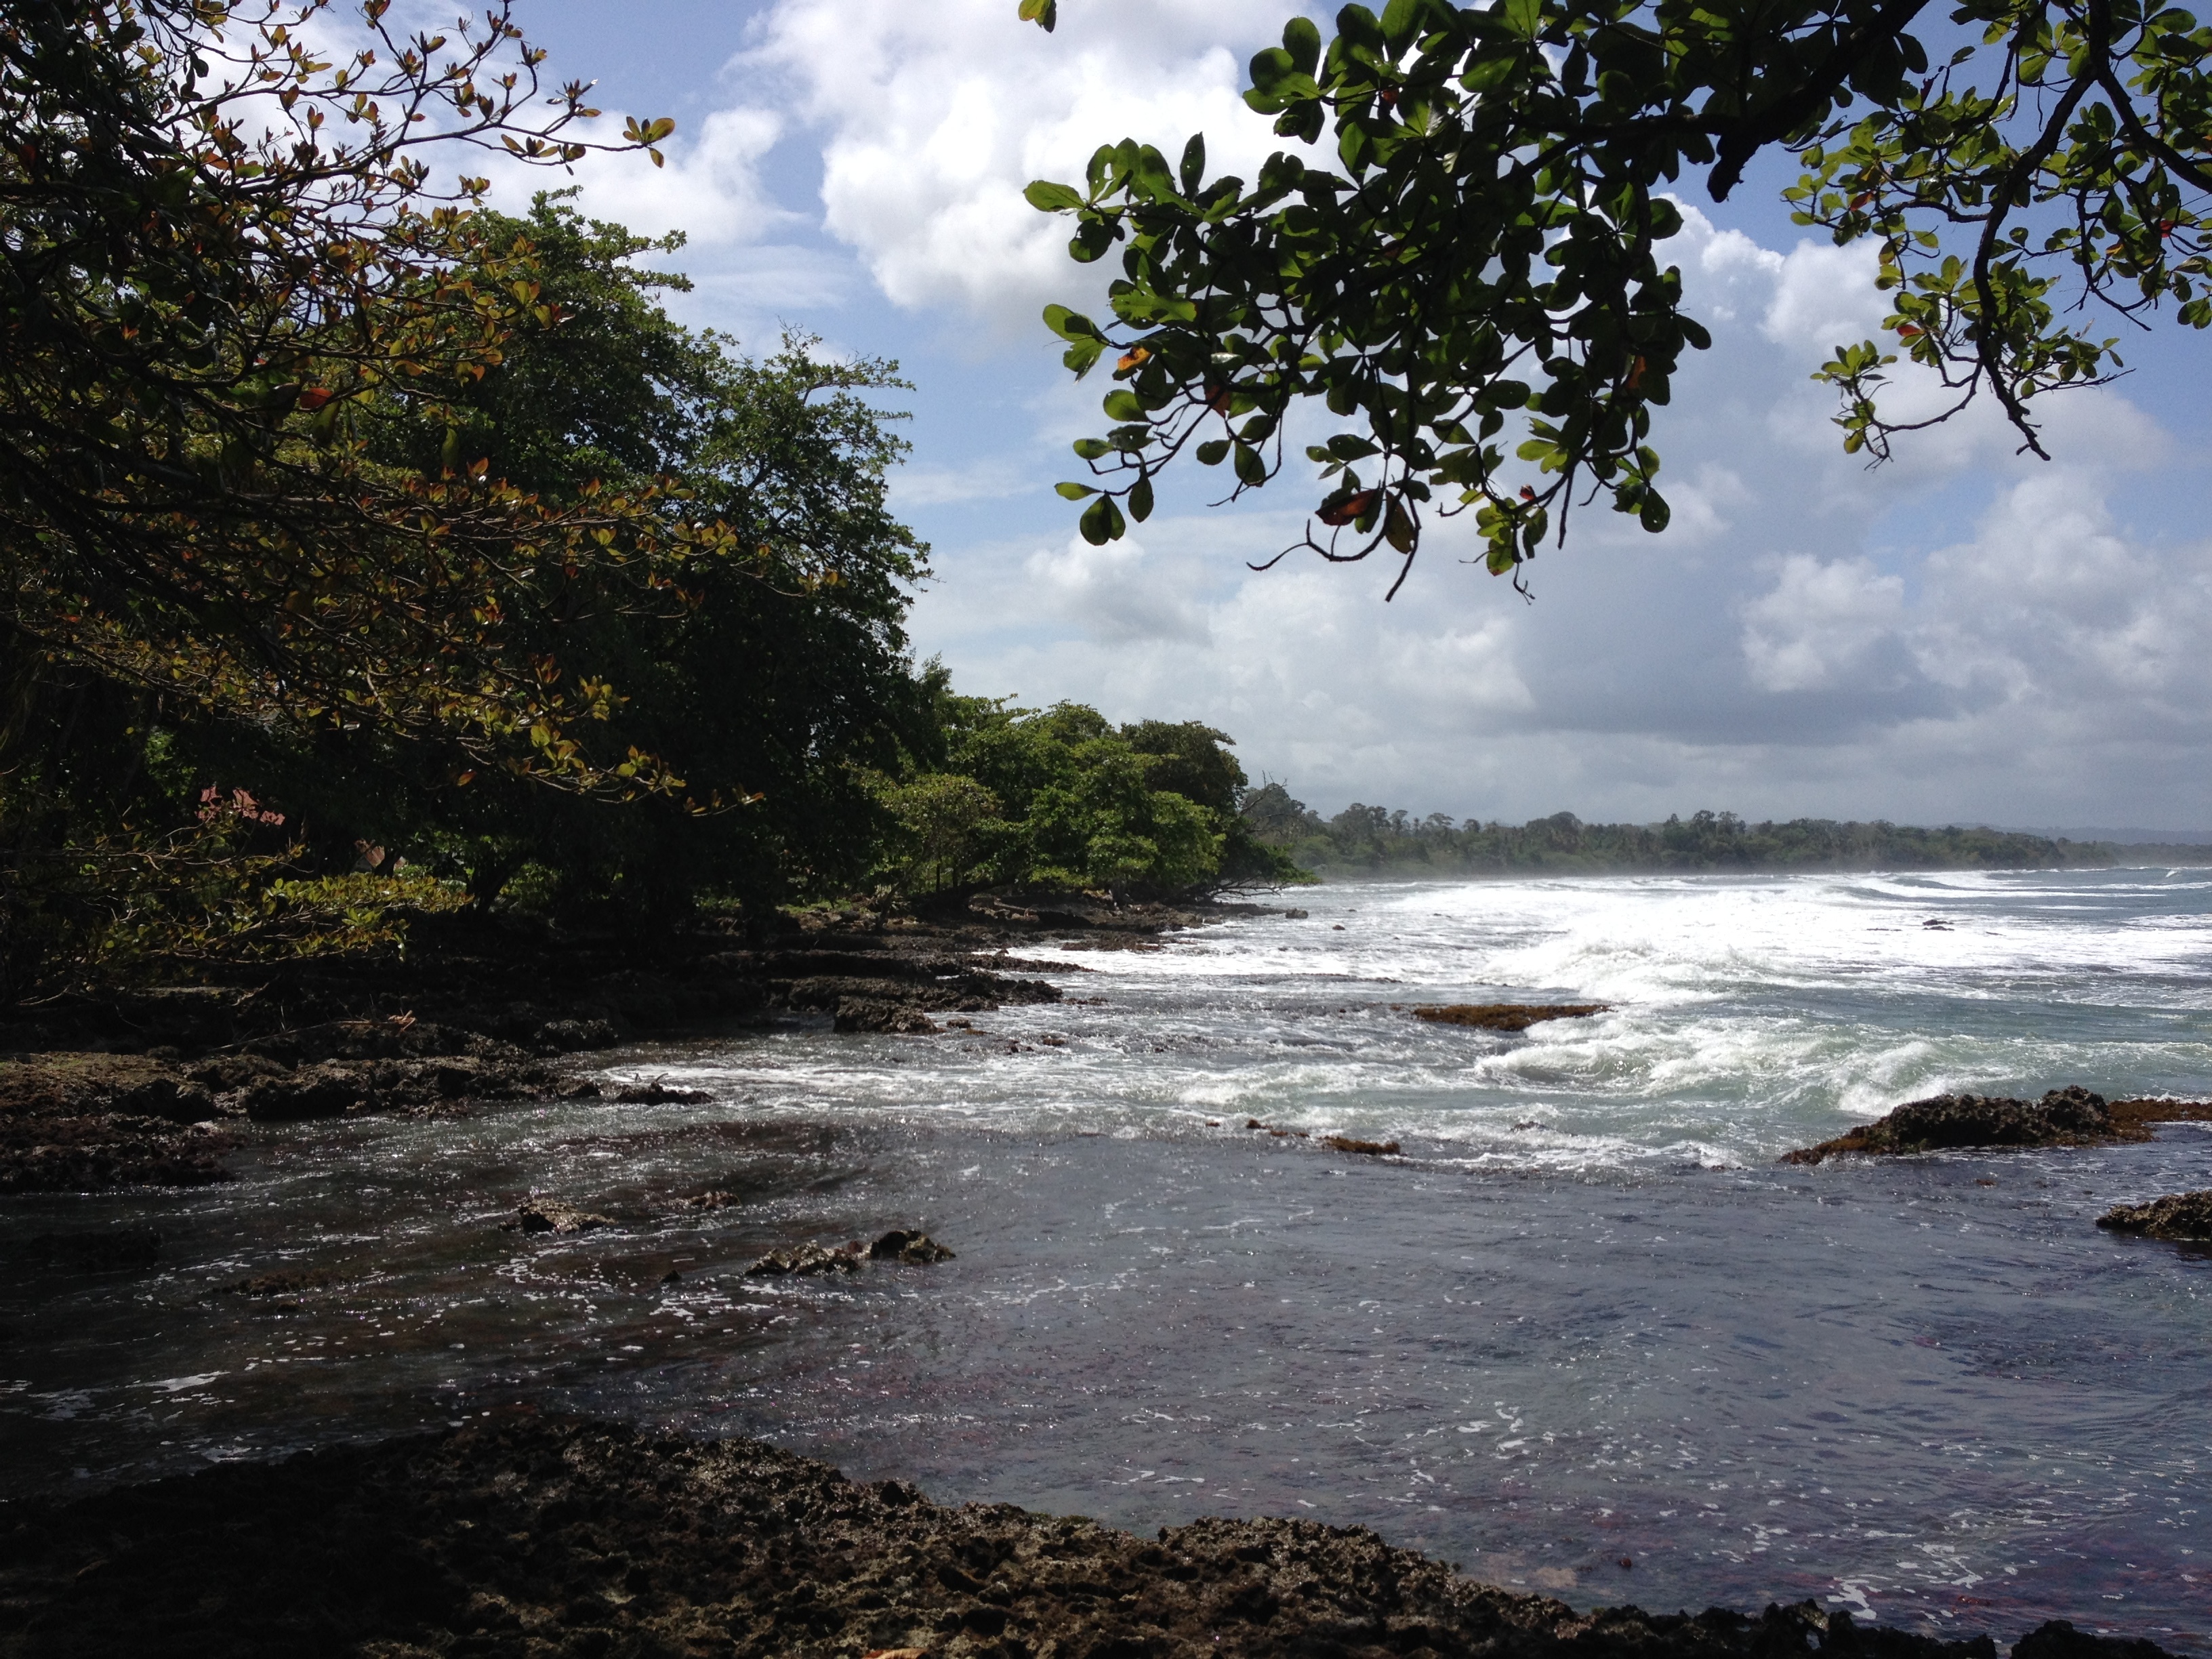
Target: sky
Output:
[(1964, 635)]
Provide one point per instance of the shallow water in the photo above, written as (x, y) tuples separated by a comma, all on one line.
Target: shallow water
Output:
[(1585, 1320)]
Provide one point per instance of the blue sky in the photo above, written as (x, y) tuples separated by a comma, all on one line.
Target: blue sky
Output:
[(1963, 635)]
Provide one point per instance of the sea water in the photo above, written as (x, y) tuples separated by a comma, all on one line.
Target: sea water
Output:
[(1582, 1335)]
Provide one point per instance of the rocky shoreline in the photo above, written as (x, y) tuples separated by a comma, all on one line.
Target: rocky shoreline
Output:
[(532, 1536), (147, 1087)]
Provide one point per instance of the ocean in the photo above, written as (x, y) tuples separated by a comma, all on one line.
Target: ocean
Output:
[(1582, 1334)]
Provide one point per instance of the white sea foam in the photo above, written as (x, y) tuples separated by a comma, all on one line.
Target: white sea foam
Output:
[(1747, 1015)]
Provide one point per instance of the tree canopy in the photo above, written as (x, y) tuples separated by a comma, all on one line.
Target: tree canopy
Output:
[(1062, 798), (1485, 267), (220, 250)]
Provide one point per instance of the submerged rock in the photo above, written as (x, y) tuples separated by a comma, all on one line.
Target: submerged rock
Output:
[(1367, 1148), (286, 1284), (546, 1215), (805, 1259), (2184, 1215), (543, 1535), (914, 1248), (1506, 1016), (655, 1093)]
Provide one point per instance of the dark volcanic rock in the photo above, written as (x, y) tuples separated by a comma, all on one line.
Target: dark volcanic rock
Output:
[(1506, 1016), (315, 1091), (874, 1014), (913, 1248), (542, 1537), (2063, 1117), (547, 1215), (805, 1259), (178, 1101), (655, 1092), (2185, 1216), (79, 1123), (2059, 1640)]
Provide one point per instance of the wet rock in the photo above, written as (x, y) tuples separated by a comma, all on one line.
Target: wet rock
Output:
[(176, 1100), (79, 1123), (656, 1093), (1506, 1016), (338, 1088), (228, 1074), (287, 1283), (713, 1198), (874, 1014), (805, 1259), (567, 1036), (916, 1248), (541, 1535), (1367, 1148), (2058, 1639), (547, 1215), (2184, 1215), (111, 1156), (316, 1091), (2063, 1117)]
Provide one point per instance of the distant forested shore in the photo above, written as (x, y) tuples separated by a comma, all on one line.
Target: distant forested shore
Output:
[(1375, 841)]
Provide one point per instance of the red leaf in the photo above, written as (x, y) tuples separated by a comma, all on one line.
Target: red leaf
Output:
[(1339, 514)]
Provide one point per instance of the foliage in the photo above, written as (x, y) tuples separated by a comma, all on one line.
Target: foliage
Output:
[(769, 690), (108, 906), (1487, 265), (1374, 841), (1060, 798), (221, 252), (940, 818), (764, 693)]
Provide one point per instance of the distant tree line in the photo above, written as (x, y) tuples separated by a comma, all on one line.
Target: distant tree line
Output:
[(1375, 840)]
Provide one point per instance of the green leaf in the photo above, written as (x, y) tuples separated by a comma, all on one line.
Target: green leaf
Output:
[(1123, 405), (1047, 197), (1075, 492), (1193, 170), (1069, 324), (1043, 13), (1092, 449), (1302, 41), (1398, 528), (1140, 500), (1102, 522), (1213, 452), (1083, 356), (1251, 466), (1270, 68), (1655, 513)]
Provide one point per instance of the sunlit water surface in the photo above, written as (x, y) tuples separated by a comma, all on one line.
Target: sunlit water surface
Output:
[(1585, 1336)]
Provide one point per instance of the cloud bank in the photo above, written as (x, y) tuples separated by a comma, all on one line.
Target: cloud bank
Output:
[(1962, 635)]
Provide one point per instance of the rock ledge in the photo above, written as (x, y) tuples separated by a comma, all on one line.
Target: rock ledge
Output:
[(538, 1536)]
